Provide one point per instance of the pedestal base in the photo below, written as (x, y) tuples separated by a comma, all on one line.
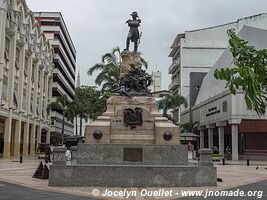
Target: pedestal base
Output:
[(132, 176)]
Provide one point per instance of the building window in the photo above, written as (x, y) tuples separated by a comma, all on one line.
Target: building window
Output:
[(33, 69), (24, 99), (26, 66), (37, 107), (39, 78), (31, 102), (4, 88), (17, 58), (7, 49), (15, 95)]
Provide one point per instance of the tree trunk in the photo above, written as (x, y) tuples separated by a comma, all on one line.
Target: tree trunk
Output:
[(81, 125), (63, 126), (76, 124)]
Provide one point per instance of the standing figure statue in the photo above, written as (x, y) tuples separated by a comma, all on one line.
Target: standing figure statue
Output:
[(133, 34)]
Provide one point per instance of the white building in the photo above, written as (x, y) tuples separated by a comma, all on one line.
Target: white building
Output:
[(197, 51), (223, 118), (64, 70), (156, 82), (26, 61)]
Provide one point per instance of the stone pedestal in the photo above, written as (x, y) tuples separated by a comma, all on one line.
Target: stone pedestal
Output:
[(130, 61), (205, 157), (131, 144), (59, 155), (112, 125)]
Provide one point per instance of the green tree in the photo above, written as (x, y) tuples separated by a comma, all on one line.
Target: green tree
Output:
[(74, 110), (89, 103), (109, 69), (172, 102), (189, 126), (248, 73), (62, 104)]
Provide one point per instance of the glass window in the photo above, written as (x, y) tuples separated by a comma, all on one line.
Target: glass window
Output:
[(7, 48), (24, 99), (26, 66), (33, 69), (31, 102), (4, 87), (17, 58)]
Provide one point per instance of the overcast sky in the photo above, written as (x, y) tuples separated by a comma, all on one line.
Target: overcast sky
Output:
[(97, 26)]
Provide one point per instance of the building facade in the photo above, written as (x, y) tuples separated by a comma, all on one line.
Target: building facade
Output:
[(156, 82), (56, 31), (197, 51), (224, 119), (26, 62)]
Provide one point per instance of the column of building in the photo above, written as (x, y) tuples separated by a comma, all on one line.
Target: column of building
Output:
[(201, 137), (2, 46), (35, 92), (221, 126), (21, 64), (210, 128), (11, 78), (27, 125)]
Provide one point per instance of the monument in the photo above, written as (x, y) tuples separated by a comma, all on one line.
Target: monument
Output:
[(131, 144)]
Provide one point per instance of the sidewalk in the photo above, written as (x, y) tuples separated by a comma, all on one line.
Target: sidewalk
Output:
[(233, 175)]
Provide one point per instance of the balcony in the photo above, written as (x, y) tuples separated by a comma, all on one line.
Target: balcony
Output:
[(174, 85), (21, 39), (174, 66), (10, 27)]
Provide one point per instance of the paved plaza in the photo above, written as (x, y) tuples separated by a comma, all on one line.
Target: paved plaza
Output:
[(19, 176)]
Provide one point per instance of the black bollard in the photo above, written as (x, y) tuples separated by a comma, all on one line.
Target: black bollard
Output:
[(247, 162), (20, 158), (223, 161)]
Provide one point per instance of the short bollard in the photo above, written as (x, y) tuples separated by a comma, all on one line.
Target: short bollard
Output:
[(205, 157), (223, 161), (73, 151), (20, 158), (247, 162), (59, 155)]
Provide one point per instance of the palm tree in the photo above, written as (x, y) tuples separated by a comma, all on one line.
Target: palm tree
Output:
[(189, 126), (61, 104), (109, 69), (73, 113), (172, 102)]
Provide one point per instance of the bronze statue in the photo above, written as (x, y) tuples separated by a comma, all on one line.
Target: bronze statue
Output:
[(133, 34)]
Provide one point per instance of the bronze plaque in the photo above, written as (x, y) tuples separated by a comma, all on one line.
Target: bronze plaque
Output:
[(133, 154)]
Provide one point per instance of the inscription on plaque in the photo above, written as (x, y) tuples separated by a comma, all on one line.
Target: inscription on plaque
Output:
[(133, 154)]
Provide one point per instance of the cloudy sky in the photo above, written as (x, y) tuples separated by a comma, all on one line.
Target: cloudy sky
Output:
[(97, 26)]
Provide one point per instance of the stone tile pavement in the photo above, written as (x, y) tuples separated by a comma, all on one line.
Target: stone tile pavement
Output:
[(234, 174)]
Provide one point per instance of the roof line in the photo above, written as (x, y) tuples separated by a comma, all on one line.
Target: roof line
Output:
[(210, 27)]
